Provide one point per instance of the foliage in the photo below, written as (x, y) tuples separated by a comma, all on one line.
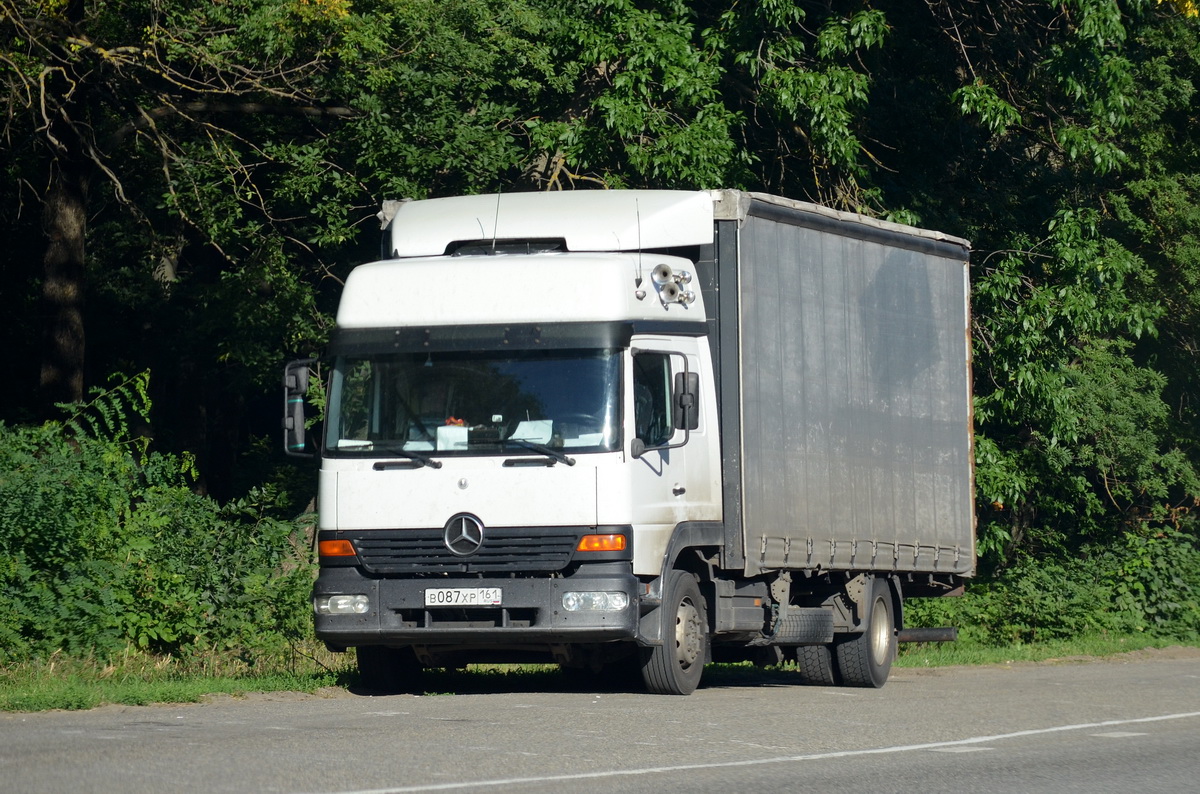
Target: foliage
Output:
[(1080, 358), (640, 104), (104, 546), (225, 161), (1146, 583), (1090, 461), (797, 73)]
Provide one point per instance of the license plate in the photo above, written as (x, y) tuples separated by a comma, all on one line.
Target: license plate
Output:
[(463, 597)]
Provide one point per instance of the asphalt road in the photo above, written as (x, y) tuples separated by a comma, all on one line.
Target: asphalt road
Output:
[(1131, 724)]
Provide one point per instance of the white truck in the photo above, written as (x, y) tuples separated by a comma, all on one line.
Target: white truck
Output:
[(640, 431)]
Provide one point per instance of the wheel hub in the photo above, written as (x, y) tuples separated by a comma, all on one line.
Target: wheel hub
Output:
[(688, 634), (881, 641)]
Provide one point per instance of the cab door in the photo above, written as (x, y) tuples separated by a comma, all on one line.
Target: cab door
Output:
[(670, 479)]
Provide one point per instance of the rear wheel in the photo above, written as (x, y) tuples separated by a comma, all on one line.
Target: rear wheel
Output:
[(865, 659), (675, 667), (815, 663)]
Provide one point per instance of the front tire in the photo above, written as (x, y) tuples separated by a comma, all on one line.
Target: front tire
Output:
[(387, 670), (865, 659), (675, 667)]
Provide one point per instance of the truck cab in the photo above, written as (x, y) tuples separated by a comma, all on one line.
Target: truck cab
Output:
[(515, 427)]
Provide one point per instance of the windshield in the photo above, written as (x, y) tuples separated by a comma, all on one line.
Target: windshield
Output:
[(475, 402)]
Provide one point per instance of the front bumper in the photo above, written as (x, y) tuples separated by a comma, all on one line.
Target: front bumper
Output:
[(530, 615)]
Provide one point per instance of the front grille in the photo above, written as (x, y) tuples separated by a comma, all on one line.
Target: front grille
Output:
[(503, 549), (495, 618)]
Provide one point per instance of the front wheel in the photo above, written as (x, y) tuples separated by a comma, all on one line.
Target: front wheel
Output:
[(865, 659), (675, 667), (387, 670)]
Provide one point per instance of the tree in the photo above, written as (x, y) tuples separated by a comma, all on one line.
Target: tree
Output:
[(90, 88), (1156, 210), (1050, 100), (228, 156), (231, 158)]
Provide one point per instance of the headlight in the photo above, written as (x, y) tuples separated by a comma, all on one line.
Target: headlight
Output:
[(595, 601), (341, 605)]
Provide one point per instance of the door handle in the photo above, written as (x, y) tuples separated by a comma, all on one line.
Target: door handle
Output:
[(678, 490)]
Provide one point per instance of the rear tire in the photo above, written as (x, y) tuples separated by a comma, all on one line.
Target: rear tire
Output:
[(675, 667), (815, 663), (865, 659)]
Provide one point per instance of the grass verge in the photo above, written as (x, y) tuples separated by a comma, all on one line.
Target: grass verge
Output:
[(137, 679), (962, 653)]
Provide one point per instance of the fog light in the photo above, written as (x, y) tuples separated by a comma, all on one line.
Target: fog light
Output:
[(341, 605), (595, 601)]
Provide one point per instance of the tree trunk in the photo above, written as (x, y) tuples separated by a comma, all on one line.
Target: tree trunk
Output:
[(64, 220)]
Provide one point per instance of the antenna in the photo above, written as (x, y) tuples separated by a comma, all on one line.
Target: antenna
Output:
[(496, 223), (637, 212), (638, 292)]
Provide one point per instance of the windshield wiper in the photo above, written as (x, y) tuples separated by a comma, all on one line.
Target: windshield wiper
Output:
[(417, 458), (542, 448)]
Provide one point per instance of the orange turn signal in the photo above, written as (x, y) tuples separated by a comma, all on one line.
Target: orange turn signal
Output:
[(335, 548), (601, 543)]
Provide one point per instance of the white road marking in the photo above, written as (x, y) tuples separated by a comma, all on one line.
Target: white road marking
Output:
[(658, 770), (960, 749)]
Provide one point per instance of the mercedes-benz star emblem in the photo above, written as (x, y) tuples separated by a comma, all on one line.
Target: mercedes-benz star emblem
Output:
[(463, 535)]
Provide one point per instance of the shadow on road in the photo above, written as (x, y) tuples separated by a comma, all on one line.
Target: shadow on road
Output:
[(503, 679)]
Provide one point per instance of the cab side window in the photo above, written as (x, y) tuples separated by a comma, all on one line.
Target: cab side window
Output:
[(652, 398)]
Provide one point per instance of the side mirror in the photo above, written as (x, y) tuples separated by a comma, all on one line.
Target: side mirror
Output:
[(687, 400), (295, 386)]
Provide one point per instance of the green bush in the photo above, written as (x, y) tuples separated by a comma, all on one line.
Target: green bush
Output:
[(1144, 583), (103, 545), (1156, 579)]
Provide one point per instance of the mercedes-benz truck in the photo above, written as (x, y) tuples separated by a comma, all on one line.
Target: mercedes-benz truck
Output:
[(639, 431)]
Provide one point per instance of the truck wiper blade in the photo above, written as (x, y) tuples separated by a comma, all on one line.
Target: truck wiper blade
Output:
[(416, 457), (542, 448)]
